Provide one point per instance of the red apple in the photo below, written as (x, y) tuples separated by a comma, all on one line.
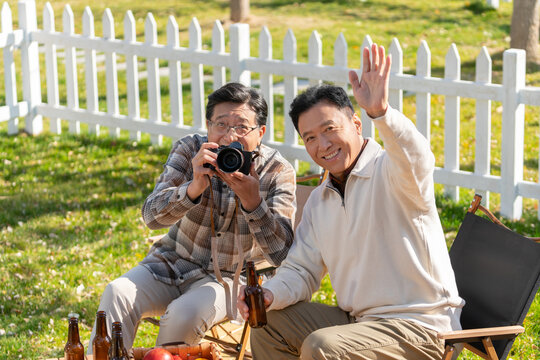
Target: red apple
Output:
[(158, 354), (177, 357)]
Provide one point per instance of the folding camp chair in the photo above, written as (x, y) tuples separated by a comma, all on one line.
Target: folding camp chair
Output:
[(498, 274), (232, 338)]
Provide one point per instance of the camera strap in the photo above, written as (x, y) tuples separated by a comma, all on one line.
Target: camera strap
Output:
[(230, 304)]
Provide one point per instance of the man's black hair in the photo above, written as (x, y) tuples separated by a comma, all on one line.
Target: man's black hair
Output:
[(334, 95), (239, 94)]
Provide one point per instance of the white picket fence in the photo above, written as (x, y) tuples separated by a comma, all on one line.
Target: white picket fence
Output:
[(495, 3), (512, 93)]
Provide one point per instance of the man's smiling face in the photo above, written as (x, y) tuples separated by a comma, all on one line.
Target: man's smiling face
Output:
[(333, 137)]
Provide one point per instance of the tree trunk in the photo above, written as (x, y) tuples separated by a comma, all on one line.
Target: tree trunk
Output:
[(239, 10), (525, 27)]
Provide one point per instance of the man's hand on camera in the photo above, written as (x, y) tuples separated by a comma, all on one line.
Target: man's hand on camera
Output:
[(200, 179), (246, 187)]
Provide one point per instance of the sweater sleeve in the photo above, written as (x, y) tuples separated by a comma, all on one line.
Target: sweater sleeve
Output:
[(411, 161), (271, 222), (300, 274), (169, 202)]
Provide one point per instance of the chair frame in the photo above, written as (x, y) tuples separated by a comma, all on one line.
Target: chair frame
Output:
[(484, 335)]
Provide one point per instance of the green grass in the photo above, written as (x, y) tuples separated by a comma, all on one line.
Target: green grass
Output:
[(70, 215)]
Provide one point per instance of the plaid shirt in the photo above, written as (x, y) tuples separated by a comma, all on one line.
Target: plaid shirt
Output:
[(185, 252)]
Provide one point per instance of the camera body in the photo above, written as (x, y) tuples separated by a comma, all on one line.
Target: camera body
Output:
[(232, 158)]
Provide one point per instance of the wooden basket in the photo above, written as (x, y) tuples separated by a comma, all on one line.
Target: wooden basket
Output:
[(205, 350)]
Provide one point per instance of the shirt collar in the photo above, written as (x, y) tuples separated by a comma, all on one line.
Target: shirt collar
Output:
[(364, 165)]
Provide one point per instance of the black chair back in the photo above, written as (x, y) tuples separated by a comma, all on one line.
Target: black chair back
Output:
[(497, 273)]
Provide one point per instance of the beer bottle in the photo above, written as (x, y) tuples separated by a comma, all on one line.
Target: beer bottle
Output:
[(117, 351), (102, 341), (254, 298), (73, 350)]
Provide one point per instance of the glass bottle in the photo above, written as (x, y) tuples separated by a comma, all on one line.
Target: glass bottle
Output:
[(73, 350), (254, 298), (102, 341), (117, 351)]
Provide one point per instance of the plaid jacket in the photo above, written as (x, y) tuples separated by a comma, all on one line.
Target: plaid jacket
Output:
[(185, 252)]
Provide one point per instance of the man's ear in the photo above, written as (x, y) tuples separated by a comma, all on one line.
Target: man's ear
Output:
[(262, 130), (357, 123)]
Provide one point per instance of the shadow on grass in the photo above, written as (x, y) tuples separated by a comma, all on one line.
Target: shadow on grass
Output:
[(82, 174)]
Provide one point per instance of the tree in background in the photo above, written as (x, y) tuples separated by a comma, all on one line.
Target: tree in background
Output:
[(525, 27), (239, 10)]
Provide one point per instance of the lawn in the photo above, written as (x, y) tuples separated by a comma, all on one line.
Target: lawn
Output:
[(70, 219)]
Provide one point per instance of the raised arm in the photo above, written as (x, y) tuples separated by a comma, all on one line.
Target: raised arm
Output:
[(170, 201), (411, 160)]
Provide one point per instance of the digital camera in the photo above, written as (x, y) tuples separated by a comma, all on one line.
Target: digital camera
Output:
[(232, 158)]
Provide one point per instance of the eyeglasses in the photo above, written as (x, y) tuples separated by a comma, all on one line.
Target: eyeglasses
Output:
[(222, 128)]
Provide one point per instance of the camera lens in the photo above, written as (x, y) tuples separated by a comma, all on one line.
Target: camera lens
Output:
[(230, 160)]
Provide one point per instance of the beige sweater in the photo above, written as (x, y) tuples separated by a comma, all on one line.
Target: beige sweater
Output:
[(382, 244)]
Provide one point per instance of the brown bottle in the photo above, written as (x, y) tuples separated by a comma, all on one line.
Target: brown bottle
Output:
[(73, 350), (102, 341), (254, 298), (117, 351)]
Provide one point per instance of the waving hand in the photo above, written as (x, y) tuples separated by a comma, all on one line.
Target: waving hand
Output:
[(371, 90)]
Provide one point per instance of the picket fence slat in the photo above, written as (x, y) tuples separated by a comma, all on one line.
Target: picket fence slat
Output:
[(315, 54), (152, 69), (395, 96), (175, 75), (197, 85), (267, 82), (340, 58), (512, 141), (72, 87), (240, 50), (291, 87), (452, 71), (111, 71), (51, 66), (423, 98), (132, 75), (483, 122), (30, 68), (218, 47), (10, 81), (90, 68)]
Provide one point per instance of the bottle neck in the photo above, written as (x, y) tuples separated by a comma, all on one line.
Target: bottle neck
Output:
[(251, 274), (117, 345), (101, 325), (73, 332)]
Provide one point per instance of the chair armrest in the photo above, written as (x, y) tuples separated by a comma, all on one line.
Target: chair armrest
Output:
[(472, 335)]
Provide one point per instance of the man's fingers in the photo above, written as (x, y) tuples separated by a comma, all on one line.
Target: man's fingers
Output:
[(353, 79), (365, 61), (382, 59), (253, 172), (386, 72), (374, 57)]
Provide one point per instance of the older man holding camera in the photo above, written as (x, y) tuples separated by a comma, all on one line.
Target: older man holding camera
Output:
[(217, 218)]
